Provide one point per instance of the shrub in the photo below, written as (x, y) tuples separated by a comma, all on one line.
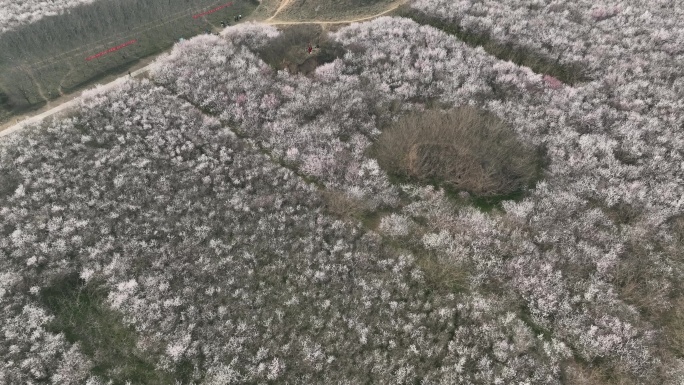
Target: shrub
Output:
[(342, 206), (442, 276), (464, 148)]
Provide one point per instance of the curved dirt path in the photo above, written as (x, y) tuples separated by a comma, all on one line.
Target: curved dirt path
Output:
[(282, 6), (270, 20)]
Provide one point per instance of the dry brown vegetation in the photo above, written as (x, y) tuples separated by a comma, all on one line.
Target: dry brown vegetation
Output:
[(578, 374), (658, 298), (342, 206), (641, 285), (674, 327), (289, 50), (265, 10), (673, 319), (464, 148), (443, 276)]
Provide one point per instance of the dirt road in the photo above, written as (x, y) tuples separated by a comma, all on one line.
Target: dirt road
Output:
[(67, 101), (270, 20), (282, 5)]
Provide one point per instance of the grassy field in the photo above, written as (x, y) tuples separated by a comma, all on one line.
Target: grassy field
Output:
[(46, 59)]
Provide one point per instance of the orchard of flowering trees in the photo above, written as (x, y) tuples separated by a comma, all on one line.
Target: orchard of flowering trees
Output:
[(194, 209)]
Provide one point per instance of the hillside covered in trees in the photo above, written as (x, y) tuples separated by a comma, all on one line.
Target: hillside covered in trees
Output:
[(485, 192)]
